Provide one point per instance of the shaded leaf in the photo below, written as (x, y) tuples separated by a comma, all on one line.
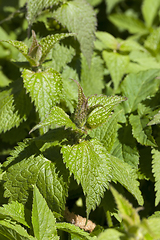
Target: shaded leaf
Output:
[(156, 172), (156, 119)]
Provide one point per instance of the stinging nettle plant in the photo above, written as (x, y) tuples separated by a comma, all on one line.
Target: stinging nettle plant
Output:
[(74, 124)]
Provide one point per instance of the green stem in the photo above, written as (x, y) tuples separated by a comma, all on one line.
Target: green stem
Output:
[(109, 219)]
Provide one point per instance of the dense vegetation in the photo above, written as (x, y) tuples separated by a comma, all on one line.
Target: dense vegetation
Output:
[(79, 119)]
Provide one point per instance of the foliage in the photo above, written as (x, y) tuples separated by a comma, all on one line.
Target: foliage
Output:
[(79, 119)]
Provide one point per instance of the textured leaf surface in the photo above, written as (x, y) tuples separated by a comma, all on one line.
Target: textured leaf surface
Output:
[(15, 106), (22, 48), (56, 116), (140, 131), (79, 17), (71, 228), (16, 211), (117, 65), (137, 87), (92, 77), (14, 231), (133, 25), (153, 41), (104, 107), (42, 218), (107, 132), (156, 119), (48, 42), (36, 6), (91, 167), (126, 176), (149, 11), (27, 167), (44, 88), (156, 172)]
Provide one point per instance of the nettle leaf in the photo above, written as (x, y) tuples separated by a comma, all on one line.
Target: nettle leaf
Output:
[(132, 24), (107, 39), (45, 89), (125, 146), (141, 131), (57, 117), (12, 231), (104, 108), (49, 41), (156, 119), (92, 77), (107, 132), (79, 17), (16, 211), (35, 7), (126, 176), (43, 220), (27, 167), (91, 167), (22, 48), (15, 106), (153, 41), (61, 55), (72, 229), (111, 234), (137, 87), (149, 11), (117, 65), (156, 172)]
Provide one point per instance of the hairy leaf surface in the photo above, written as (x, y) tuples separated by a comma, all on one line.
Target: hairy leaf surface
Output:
[(79, 18), (45, 89), (43, 219), (91, 167)]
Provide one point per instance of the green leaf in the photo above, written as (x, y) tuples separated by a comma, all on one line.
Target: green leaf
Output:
[(22, 48), (104, 108), (156, 119), (42, 218), (132, 24), (91, 167), (153, 41), (56, 116), (150, 11), (107, 39), (156, 172), (79, 17), (154, 226), (117, 65), (45, 89), (92, 77), (111, 234), (71, 228), (111, 4), (107, 132), (140, 131), (15, 106), (27, 167), (49, 41), (35, 7), (126, 176), (16, 211), (13, 231), (137, 87)]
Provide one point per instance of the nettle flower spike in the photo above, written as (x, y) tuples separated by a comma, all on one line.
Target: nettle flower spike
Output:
[(93, 111)]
